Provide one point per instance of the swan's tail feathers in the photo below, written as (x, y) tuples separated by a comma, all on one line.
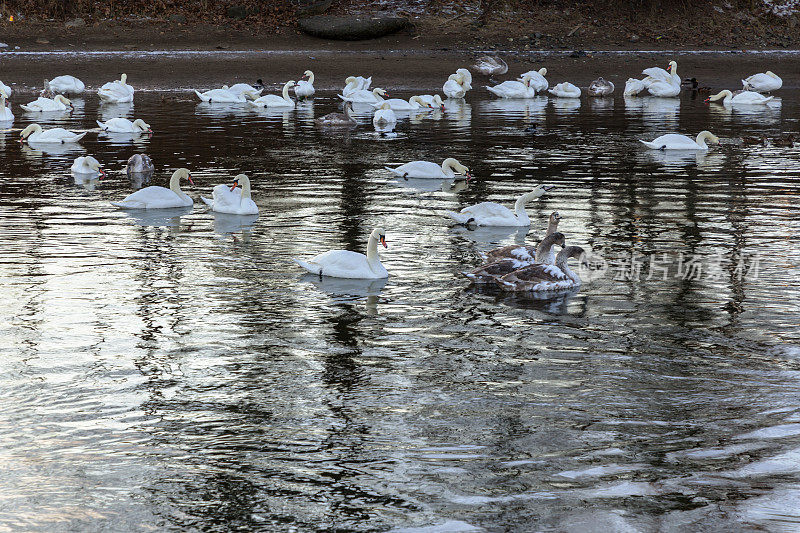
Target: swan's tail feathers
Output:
[(200, 96), (128, 205), (493, 91), (345, 98), (102, 126), (103, 96), (314, 269), (461, 218), (208, 202), (768, 98), (394, 171), (649, 144), (79, 137), (26, 108)]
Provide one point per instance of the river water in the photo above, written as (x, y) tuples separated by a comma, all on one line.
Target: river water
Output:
[(177, 370)]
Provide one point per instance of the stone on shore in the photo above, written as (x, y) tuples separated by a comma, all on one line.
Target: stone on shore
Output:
[(351, 28)]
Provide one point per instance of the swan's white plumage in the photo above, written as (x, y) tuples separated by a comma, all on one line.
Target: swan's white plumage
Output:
[(763, 82), (565, 90), (347, 264), (236, 201), (66, 85), (675, 141), (35, 134), (155, 197), (123, 125), (41, 104)]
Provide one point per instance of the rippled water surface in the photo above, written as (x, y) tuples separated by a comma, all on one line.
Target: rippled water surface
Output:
[(177, 370)]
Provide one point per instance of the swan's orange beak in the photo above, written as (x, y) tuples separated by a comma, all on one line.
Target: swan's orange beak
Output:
[(233, 187), (669, 67), (707, 100), (102, 173), (468, 175), (189, 177), (149, 131), (383, 241)]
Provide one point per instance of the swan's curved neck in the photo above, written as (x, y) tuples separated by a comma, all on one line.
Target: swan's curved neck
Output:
[(561, 263), (286, 93), (349, 113), (372, 249), (519, 209), (448, 168), (175, 184), (377, 94), (544, 248), (726, 94), (311, 78), (552, 226), (246, 189)]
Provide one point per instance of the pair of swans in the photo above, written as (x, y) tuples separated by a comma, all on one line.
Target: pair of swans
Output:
[(305, 87), (66, 85), (6, 115), (87, 165), (458, 84), (675, 141), (123, 125), (363, 96), (116, 92), (275, 101), (348, 264), (41, 104), (233, 200), (494, 214), (545, 278), (34, 133), (763, 82), (657, 81), (449, 168), (506, 259), (744, 97), (354, 84)]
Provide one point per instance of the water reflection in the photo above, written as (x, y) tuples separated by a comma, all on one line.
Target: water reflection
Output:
[(157, 217), (225, 223)]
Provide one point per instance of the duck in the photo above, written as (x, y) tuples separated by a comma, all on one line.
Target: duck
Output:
[(600, 87), (490, 65), (233, 200), (541, 278), (244, 89), (6, 89), (398, 104), (433, 100), (527, 253), (305, 87), (538, 82), (675, 141), (455, 86), (363, 96), (59, 103), (513, 89), (273, 100), (784, 142), (494, 214), (744, 98), (123, 125), (565, 90), (155, 197), (6, 115), (139, 164), (752, 141), (763, 82), (116, 92), (345, 119), (633, 87), (488, 272), (66, 85), (356, 83), (350, 265), (693, 85), (449, 168), (34, 133), (87, 165), (221, 96), (384, 118)]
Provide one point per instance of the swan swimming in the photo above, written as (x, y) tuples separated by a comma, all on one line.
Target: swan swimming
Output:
[(427, 169), (233, 200), (600, 87), (398, 104), (347, 264), (494, 214), (487, 273), (139, 164), (123, 125), (384, 118), (33, 133), (356, 83), (116, 92), (565, 90), (222, 96), (155, 197), (538, 82), (530, 254), (363, 96), (345, 119), (675, 141), (540, 278), (745, 98), (763, 82), (305, 87), (513, 89), (273, 100), (87, 165), (66, 85), (59, 103), (5, 113)]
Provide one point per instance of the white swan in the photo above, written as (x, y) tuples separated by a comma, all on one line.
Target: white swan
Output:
[(351, 265), (600, 87), (117, 91), (273, 100), (305, 89), (6, 89), (763, 82), (540, 278), (384, 118), (538, 82), (634, 87), (87, 165), (493, 214), (123, 125), (426, 169), (356, 83), (565, 90), (433, 100), (232, 199), (664, 89), (746, 98), (155, 197), (659, 74), (513, 89), (675, 141), (244, 89), (5, 113), (34, 134), (455, 87), (59, 103), (490, 65), (363, 96), (66, 85), (398, 104), (221, 96)]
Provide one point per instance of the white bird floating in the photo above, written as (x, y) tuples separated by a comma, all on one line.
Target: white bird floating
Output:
[(155, 197), (87, 165), (490, 66), (363, 96), (427, 169), (66, 85), (433, 100), (633, 87), (538, 82), (384, 118), (41, 104), (244, 89), (233, 200), (351, 265), (116, 92), (305, 88), (565, 90), (34, 134), (123, 125), (273, 100), (675, 141), (743, 98), (763, 82), (221, 96), (398, 104), (513, 89), (5, 113), (494, 214), (356, 83), (458, 84), (6, 89)]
